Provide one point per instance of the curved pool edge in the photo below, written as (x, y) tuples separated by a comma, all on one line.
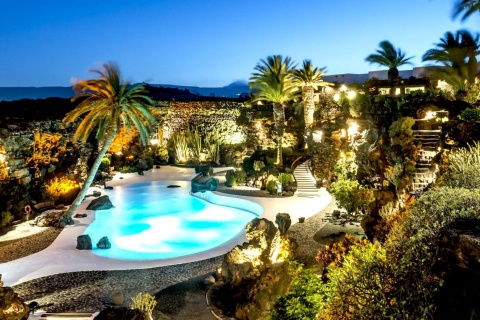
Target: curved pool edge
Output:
[(232, 202)]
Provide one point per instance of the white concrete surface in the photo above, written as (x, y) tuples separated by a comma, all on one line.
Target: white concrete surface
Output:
[(62, 256)]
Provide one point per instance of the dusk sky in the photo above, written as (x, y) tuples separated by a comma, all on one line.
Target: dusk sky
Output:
[(208, 42)]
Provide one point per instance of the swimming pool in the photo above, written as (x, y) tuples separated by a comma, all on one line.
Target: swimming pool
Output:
[(150, 221)]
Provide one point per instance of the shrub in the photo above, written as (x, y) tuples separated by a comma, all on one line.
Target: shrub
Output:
[(356, 287), (464, 170), (6, 218), (401, 127), (470, 114), (270, 161), (285, 178), (180, 143), (394, 174), (162, 153), (272, 187), (346, 168), (352, 196), (63, 189), (240, 176), (302, 301), (258, 166), (144, 302), (247, 164), (335, 253), (105, 165), (230, 179)]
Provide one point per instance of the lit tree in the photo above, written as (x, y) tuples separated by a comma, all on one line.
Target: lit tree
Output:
[(108, 104), (309, 79), (389, 57), (272, 81)]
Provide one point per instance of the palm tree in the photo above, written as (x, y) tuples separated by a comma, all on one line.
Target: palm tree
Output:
[(108, 104), (457, 55), (272, 81), (391, 58), (309, 79), (465, 7)]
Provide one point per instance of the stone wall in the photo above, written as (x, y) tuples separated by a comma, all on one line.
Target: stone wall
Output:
[(32, 152)]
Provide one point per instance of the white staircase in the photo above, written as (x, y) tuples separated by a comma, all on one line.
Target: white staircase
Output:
[(306, 184)]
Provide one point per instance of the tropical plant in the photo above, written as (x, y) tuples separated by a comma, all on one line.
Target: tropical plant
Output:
[(391, 58), (180, 144), (464, 170), (394, 174), (465, 8), (271, 81), (5, 218), (194, 141), (258, 165), (346, 168), (309, 78), (230, 179), (212, 144), (108, 103), (285, 178), (457, 55)]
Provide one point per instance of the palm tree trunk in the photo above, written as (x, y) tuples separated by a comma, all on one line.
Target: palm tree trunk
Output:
[(279, 119), (308, 105), (93, 172)]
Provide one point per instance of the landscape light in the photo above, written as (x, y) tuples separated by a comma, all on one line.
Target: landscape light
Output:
[(336, 97), (351, 94), (343, 88), (352, 129)]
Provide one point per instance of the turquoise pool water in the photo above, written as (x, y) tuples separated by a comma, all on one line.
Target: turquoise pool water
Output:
[(151, 221)]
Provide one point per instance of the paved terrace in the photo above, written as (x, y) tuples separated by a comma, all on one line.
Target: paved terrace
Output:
[(62, 256)]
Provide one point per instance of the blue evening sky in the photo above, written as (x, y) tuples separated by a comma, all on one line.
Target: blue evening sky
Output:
[(207, 42)]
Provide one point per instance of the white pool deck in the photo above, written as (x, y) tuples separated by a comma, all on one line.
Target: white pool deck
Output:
[(62, 256)]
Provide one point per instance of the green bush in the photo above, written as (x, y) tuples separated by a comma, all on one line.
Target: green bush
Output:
[(105, 165), (302, 301), (240, 176), (247, 164), (6, 218), (258, 166), (230, 179), (272, 187), (402, 127), (285, 178), (352, 196), (470, 114), (346, 168), (464, 170), (129, 169), (270, 161)]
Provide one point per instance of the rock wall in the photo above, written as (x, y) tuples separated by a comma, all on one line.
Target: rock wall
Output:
[(33, 152)]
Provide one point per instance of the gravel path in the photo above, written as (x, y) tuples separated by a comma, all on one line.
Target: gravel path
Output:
[(15, 248)]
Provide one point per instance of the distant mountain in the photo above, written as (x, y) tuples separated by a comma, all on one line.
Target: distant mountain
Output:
[(18, 93), (233, 90)]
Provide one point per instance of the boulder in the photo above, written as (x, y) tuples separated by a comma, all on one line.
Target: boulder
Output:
[(123, 313), (101, 203), (57, 219), (141, 164), (84, 242), (209, 280), (42, 206), (11, 306), (103, 243), (283, 222)]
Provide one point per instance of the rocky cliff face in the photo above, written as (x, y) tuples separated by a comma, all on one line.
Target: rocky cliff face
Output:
[(31, 153), (254, 274)]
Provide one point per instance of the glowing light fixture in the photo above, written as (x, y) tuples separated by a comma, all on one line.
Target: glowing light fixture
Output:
[(397, 91), (343, 88), (352, 129), (336, 97), (430, 115), (351, 94)]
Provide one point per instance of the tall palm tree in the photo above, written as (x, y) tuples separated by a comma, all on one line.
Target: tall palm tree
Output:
[(108, 104), (309, 78), (272, 81), (465, 7), (391, 58), (457, 56)]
